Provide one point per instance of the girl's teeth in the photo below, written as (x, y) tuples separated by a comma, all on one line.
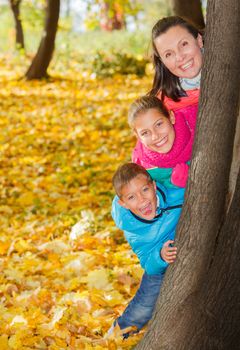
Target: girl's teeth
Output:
[(161, 142)]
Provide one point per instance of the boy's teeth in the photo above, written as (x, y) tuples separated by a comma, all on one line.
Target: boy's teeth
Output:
[(146, 208)]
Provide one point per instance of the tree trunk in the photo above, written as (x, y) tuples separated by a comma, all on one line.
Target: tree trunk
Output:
[(40, 63), (189, 9), (200, 294), (15, 6), (216, 320), (235, 163)]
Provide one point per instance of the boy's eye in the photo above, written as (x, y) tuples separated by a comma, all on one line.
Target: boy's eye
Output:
[(145, 189), (130, 198)]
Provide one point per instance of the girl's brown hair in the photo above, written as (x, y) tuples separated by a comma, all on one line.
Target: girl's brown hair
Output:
[(142, 105)]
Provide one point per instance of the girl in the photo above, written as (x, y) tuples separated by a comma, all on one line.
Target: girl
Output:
[(177, 58), (165, 139)]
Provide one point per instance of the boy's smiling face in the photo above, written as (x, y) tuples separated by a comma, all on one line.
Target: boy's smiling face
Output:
[(139, 196)]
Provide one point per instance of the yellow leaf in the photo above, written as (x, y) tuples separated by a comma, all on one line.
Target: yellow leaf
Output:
[(61, 204), (98, 279), (4, 342), (4, 246), (26, 199), (114, 298)]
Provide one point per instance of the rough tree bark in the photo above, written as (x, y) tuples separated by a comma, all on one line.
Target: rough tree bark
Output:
[(191, 9), (15, 6), (235, 162), (199, 304), (40, 63)]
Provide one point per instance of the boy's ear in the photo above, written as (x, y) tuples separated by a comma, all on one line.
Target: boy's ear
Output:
[(122, 203), (172, 117)]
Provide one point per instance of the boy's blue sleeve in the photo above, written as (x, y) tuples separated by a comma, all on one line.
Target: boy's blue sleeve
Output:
[(154, 263), (149, 257)]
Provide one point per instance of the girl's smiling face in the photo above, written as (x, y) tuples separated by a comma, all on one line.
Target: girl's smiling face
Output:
[(180, 52), (155, 130)]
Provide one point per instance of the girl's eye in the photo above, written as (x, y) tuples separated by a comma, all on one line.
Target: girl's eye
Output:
[(145, 189), (158, 124), (130, 198), (144, 133)]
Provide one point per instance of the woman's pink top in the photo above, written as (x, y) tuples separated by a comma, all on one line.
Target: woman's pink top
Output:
[(191, 99)]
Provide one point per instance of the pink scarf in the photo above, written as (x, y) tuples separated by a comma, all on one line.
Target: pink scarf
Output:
[(182, 148)]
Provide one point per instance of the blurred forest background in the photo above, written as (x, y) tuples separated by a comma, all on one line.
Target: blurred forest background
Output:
[(66, 271), (103, 37)]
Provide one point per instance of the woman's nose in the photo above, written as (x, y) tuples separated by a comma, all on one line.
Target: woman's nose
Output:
[(179, 56)]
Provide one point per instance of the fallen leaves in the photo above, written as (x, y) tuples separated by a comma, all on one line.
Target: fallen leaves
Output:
[(66, 271)]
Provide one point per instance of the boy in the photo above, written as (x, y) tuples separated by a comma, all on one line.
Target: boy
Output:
[(148, 213)]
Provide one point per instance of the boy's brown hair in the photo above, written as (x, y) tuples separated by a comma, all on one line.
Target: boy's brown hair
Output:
[(125, 173), (142, 105)]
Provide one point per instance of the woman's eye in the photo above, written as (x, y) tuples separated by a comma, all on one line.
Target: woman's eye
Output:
[(184, 43), (168, 55)]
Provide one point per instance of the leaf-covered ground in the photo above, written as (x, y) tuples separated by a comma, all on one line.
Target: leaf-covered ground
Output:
[(66, 271)]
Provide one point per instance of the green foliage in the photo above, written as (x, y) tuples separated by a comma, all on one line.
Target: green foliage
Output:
[(104, 65), (154, 10), (110, 8), (88, 43), (104, 53), (32, 15), (7, 36)]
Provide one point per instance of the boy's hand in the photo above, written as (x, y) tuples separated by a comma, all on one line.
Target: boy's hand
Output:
[(180, 175), (168, 253)]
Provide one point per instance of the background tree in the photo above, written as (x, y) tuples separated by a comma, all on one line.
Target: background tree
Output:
[(40, 63), (191, 9), (111, 15), (199, 303), (15, 6)]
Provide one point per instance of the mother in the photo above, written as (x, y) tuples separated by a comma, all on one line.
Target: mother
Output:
[(177, 57)]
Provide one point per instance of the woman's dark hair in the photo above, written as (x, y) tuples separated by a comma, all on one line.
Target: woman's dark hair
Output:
[(164, 80)]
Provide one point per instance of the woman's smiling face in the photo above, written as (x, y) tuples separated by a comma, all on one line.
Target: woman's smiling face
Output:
[(180, 52)]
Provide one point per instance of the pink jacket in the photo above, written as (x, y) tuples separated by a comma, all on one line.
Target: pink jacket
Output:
[(191, 99)]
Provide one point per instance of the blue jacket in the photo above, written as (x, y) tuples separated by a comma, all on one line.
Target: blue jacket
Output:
[(146, 237)]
